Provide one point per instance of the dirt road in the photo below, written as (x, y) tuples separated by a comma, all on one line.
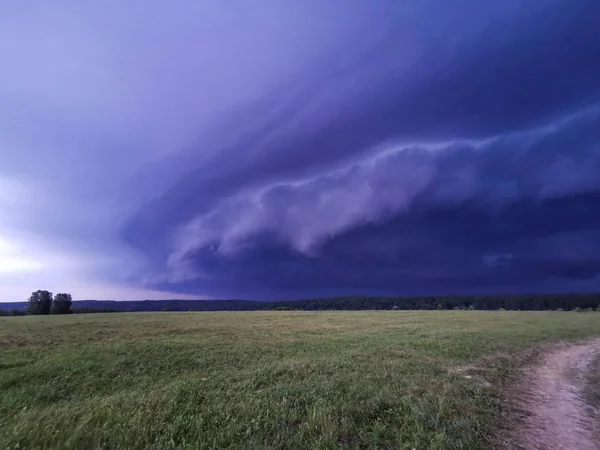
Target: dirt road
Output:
[(551, 404)]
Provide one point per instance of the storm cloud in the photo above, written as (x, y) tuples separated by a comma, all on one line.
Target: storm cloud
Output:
[(423, 215), (303, 149)]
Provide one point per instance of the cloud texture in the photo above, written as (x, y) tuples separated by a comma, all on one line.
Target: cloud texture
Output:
[(289, 150)]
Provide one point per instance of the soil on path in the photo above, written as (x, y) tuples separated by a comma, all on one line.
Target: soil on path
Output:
[(550, 404)]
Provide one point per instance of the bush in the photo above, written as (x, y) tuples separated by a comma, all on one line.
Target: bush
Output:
[(40, 302), (560, 310), (590, 309), (577, 309), (396, 308), (471, 308), (61, 304), (598, 308), (440, 307), (501, 309)]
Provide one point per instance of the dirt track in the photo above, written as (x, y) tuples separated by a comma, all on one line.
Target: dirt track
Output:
[(551, 405)]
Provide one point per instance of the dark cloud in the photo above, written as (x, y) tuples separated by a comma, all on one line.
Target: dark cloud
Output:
[(473, 72), (309, 149), (433, 252), (520, 211), (451, 152)]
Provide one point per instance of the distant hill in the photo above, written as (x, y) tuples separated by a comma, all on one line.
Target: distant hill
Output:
[(509, 302), (154, 305)]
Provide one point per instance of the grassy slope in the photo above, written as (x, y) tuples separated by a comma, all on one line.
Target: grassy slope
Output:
[(264, 379)]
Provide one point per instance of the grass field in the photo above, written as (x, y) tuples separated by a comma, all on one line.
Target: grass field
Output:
[(386, 379)]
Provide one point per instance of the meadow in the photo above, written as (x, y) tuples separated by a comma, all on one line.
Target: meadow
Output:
[(267, 380)]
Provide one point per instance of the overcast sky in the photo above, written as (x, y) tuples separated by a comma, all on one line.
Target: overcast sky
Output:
[(290, 149)]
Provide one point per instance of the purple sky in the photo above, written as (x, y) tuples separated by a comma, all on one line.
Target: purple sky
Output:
[(289, 149)]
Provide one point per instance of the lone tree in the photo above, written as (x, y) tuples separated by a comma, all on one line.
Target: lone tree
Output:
[(61, 304), (40, 302)]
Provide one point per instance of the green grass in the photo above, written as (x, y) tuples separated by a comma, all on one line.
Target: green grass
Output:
[(266, 379)]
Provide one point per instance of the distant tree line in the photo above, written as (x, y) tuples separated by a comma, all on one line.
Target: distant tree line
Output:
[(13, 312), (489, 302), (538, 302), (42, 302), (93, 310)]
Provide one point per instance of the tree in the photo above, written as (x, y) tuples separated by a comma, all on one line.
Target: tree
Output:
[(61, 304), (40, 302)]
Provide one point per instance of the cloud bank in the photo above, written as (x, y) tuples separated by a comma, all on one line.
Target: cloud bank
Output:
[(283, 151)]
